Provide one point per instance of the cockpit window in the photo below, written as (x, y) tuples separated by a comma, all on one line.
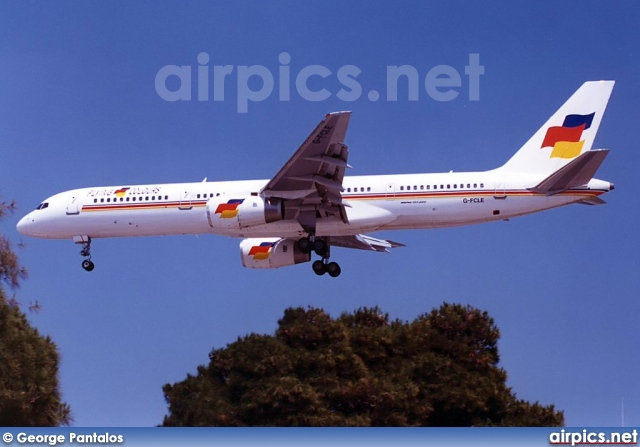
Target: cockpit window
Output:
[(43, 205)]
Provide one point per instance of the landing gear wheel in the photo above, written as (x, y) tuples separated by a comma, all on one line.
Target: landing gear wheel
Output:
[(305, 245), (333, 269), (319, 267), (87, 265), (321, 247)]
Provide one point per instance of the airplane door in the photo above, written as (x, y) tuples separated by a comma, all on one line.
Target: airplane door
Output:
[(73, 205), (500, 192), (390, 191), (185, 201)]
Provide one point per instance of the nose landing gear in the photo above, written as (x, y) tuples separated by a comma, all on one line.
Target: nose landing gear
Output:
[(87, 264)]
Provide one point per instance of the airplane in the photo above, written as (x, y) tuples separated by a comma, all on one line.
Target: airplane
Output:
[(310, 206)]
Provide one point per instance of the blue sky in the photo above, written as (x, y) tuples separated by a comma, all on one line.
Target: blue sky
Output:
[(79, 107)]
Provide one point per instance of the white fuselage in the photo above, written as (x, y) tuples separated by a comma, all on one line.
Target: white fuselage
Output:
[(373, 203)]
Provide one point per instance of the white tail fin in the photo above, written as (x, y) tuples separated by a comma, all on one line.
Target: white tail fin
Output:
[(567, 134)]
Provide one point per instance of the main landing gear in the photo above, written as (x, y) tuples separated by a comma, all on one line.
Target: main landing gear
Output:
[(87, 264), (322, 248)]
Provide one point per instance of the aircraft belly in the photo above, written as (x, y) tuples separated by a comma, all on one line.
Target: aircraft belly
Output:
[(138, 223)]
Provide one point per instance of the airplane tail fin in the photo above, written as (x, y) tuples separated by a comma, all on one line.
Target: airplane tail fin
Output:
[(565, 136)]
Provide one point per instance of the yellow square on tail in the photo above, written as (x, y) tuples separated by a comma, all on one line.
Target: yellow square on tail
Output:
[(566, 149)]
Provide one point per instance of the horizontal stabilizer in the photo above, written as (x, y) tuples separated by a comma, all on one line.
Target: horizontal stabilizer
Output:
[(576, 173), (364, 242), (592, 201)]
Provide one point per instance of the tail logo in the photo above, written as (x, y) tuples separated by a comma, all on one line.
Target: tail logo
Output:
[(229, 210), (261, 252), (565, 139)]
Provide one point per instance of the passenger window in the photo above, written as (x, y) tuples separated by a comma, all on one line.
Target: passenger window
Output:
[(368, 188), (101, 200), (468, 185), (455, 186), (127, 199), (198, 196), (481, 185), (134, 199), (448, 186), (362, 189), (441, 186), (475, 185), (95, 200), (435, 186), (428, 186), (109, 200), (166, 197), (402, 188)]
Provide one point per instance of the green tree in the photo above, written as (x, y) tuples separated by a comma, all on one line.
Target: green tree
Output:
[(11, 272), (29, 392), (360, 369)]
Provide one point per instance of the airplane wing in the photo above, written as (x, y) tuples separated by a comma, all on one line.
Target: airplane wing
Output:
[(311, 181), (364, 242)]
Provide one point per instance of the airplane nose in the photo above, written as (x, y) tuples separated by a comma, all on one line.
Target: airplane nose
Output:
[(611, 187), (23, 225)]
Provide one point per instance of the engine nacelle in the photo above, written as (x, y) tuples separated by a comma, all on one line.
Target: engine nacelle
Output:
[(243, 212), (271, 253)]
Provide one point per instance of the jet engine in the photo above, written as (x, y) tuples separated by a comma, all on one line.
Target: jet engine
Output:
[(243, 212), (271, 253)]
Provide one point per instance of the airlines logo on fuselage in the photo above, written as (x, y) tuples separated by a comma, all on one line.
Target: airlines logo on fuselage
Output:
[(121, 192), (229, 210), (565, 139)]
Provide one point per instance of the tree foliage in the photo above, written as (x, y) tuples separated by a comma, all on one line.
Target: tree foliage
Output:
[(11, 272), (360, 369), (29, 393)]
